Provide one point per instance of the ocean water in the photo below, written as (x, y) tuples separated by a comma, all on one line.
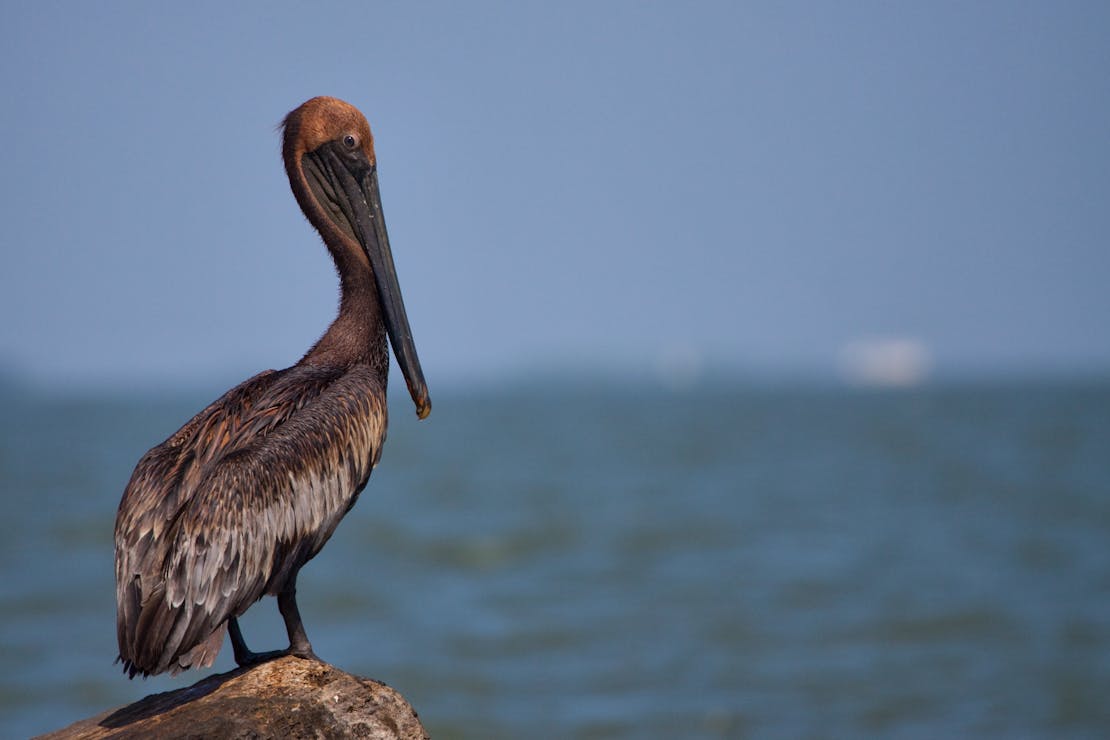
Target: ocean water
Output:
[(606, 562)]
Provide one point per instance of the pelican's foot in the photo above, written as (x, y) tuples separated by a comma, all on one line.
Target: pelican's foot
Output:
[(303, 650), (247, 659), (244, 656), (306, 655)]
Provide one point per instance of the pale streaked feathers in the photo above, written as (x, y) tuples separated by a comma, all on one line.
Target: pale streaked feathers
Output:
[(245, 493)]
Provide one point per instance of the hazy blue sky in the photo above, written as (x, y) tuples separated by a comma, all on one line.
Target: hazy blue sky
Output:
[(602, 185)]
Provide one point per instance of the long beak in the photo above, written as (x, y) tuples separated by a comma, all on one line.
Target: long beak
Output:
[(369, 227)]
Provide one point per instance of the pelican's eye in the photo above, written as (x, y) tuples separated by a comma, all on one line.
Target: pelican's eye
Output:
[(350, 142)]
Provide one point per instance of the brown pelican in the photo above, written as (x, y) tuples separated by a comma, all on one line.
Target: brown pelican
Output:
[(231, 506)]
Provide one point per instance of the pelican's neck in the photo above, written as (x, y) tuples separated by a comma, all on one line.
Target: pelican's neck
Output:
[(357, 336)]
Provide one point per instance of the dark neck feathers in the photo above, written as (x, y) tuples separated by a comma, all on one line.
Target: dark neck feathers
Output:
[(357, 336)]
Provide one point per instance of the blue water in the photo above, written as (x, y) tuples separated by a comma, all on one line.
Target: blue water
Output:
[(603, 562)]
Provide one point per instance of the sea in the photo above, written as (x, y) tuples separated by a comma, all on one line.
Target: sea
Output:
[(553, 559)]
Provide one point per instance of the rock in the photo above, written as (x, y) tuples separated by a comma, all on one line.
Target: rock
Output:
[(284, 698)]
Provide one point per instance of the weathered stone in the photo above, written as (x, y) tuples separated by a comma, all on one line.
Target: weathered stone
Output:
[(284, 698)]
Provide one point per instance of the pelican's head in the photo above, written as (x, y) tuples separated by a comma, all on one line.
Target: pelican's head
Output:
[(329, 157)]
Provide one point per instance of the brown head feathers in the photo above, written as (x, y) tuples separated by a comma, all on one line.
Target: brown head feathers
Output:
[(324, 119)]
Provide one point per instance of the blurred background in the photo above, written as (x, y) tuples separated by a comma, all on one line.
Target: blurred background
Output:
[(768, 346)]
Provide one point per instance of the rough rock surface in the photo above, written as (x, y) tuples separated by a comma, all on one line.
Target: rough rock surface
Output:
[(284, 698)]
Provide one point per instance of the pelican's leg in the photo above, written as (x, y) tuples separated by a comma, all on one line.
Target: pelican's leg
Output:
[(287, 605), (243, 655)]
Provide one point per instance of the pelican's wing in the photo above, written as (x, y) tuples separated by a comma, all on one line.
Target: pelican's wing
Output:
[(166, 480), (163, 482), (258, 512)]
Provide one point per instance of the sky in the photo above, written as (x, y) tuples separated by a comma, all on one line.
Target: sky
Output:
[(883, 190)]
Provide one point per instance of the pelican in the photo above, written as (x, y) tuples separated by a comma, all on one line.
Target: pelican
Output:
[(231, 506)]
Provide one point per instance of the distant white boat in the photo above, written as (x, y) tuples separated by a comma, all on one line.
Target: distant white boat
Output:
[(893, 362)]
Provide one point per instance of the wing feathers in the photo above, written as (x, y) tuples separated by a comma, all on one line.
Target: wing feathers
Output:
[(234, 503)]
